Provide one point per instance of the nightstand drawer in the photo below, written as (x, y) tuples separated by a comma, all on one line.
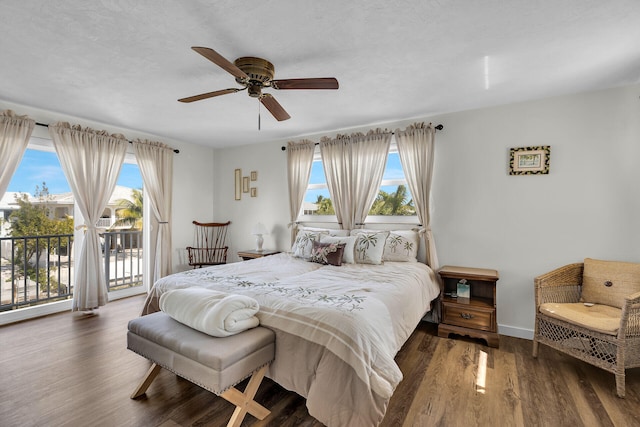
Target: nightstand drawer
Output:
[(469, 316)]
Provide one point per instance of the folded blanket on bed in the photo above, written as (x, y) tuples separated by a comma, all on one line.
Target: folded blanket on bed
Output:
[(215, 313)]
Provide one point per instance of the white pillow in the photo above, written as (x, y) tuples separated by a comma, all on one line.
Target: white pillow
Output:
[(401, 245), (304, 243), (370, 247), (329, 231), (348, 256), (357, 231)]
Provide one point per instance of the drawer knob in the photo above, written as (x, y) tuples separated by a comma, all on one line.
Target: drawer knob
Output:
[(466, 316)]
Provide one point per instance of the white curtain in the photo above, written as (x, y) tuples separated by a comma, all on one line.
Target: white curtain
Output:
[(91, 161), (299, 162), (15, 132), (354, 166), (335, 161), (416, 150), (156, 167)]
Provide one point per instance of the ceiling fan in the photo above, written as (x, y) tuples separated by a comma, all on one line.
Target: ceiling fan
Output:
[(256, 74)]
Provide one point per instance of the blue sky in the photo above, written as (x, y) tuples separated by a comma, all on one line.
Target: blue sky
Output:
[(392, 171), (38, 166)]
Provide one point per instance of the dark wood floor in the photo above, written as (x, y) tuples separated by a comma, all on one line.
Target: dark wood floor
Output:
[(66, 370)]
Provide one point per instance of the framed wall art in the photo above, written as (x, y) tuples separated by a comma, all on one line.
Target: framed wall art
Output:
[(238, 182), (530, 160)]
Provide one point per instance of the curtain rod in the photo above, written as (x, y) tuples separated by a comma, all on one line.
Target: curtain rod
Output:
[(130, 142), (437, 127), (311, 221)]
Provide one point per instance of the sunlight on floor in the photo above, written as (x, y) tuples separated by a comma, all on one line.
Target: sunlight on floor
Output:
[(481, 375)]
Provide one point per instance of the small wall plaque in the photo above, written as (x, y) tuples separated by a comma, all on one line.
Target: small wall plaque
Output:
[(529, 160)]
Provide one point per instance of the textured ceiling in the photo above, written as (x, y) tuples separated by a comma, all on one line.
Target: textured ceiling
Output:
[(126, 62)]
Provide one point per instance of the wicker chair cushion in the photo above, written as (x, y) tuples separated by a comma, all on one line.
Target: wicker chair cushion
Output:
[(599, 318), (609, 282)]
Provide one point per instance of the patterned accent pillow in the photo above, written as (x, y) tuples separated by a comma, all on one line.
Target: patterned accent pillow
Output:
[(370, 247), (609, 282), (327, 253), (348, 257), (401, 245), (304, 242), (329, 231)]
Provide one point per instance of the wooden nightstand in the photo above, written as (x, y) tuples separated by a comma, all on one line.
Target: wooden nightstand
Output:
[(252, 254), (474, 316)]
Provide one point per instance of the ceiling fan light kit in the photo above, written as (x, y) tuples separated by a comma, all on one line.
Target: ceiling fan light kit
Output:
[(256, 74)]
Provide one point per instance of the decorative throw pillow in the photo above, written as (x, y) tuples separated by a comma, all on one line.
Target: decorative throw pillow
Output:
[(327, 253), (329, 231), (348, 256), (401, 245), (304, 242), (609, 282), (357, 231), (370, 247)]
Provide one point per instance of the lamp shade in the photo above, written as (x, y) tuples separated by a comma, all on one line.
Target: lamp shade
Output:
[(259, 229)]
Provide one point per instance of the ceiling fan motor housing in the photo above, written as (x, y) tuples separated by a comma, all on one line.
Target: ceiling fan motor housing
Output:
[(254, 91), (259, 70)]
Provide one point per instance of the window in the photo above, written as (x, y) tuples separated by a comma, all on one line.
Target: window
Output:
[(37, 223), (394, 197), (393, 200), (317, 200)]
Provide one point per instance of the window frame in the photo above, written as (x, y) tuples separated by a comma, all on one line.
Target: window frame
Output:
[(370, 219)]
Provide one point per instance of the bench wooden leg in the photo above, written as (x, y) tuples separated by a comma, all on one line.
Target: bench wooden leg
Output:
[(244, 401), (146, 381)]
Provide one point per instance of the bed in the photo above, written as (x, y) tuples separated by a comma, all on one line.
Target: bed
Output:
[(338, 327)]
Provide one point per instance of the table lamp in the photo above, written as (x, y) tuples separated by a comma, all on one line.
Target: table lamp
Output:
[(258, 230)]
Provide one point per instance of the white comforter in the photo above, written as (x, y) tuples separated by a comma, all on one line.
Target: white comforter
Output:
[(215, 313), (338, 329)]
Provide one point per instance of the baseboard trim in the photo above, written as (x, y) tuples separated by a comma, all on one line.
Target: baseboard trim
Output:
[(512, 331), (26, 313)]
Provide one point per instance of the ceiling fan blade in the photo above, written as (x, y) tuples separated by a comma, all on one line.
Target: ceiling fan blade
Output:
[(208, 95), (319, 83), (220, 61), (274, 107)]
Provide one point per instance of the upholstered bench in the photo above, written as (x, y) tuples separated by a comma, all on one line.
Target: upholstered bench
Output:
[(215, 364)]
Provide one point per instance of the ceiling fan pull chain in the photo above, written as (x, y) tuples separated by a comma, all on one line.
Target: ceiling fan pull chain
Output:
[(258, 113)]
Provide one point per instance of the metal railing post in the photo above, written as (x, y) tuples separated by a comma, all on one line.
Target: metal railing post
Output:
[(106, 251)]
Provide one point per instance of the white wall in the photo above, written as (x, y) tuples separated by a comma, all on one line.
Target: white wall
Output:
[(194, 189), (523, 226), (193, 175), (271, 206)]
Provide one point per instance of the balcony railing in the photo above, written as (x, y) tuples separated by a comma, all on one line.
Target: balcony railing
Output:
[(103, 223), (122, 259), (35, 270), (48, 261)]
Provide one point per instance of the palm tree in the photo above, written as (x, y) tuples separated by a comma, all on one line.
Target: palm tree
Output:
[(130, 211), (325, 207), (393, 203)]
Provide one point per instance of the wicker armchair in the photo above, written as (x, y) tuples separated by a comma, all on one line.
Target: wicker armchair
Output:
[(613, 350)]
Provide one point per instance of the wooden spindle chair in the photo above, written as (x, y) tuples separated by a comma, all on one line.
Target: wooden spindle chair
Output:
[(209, 244)]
